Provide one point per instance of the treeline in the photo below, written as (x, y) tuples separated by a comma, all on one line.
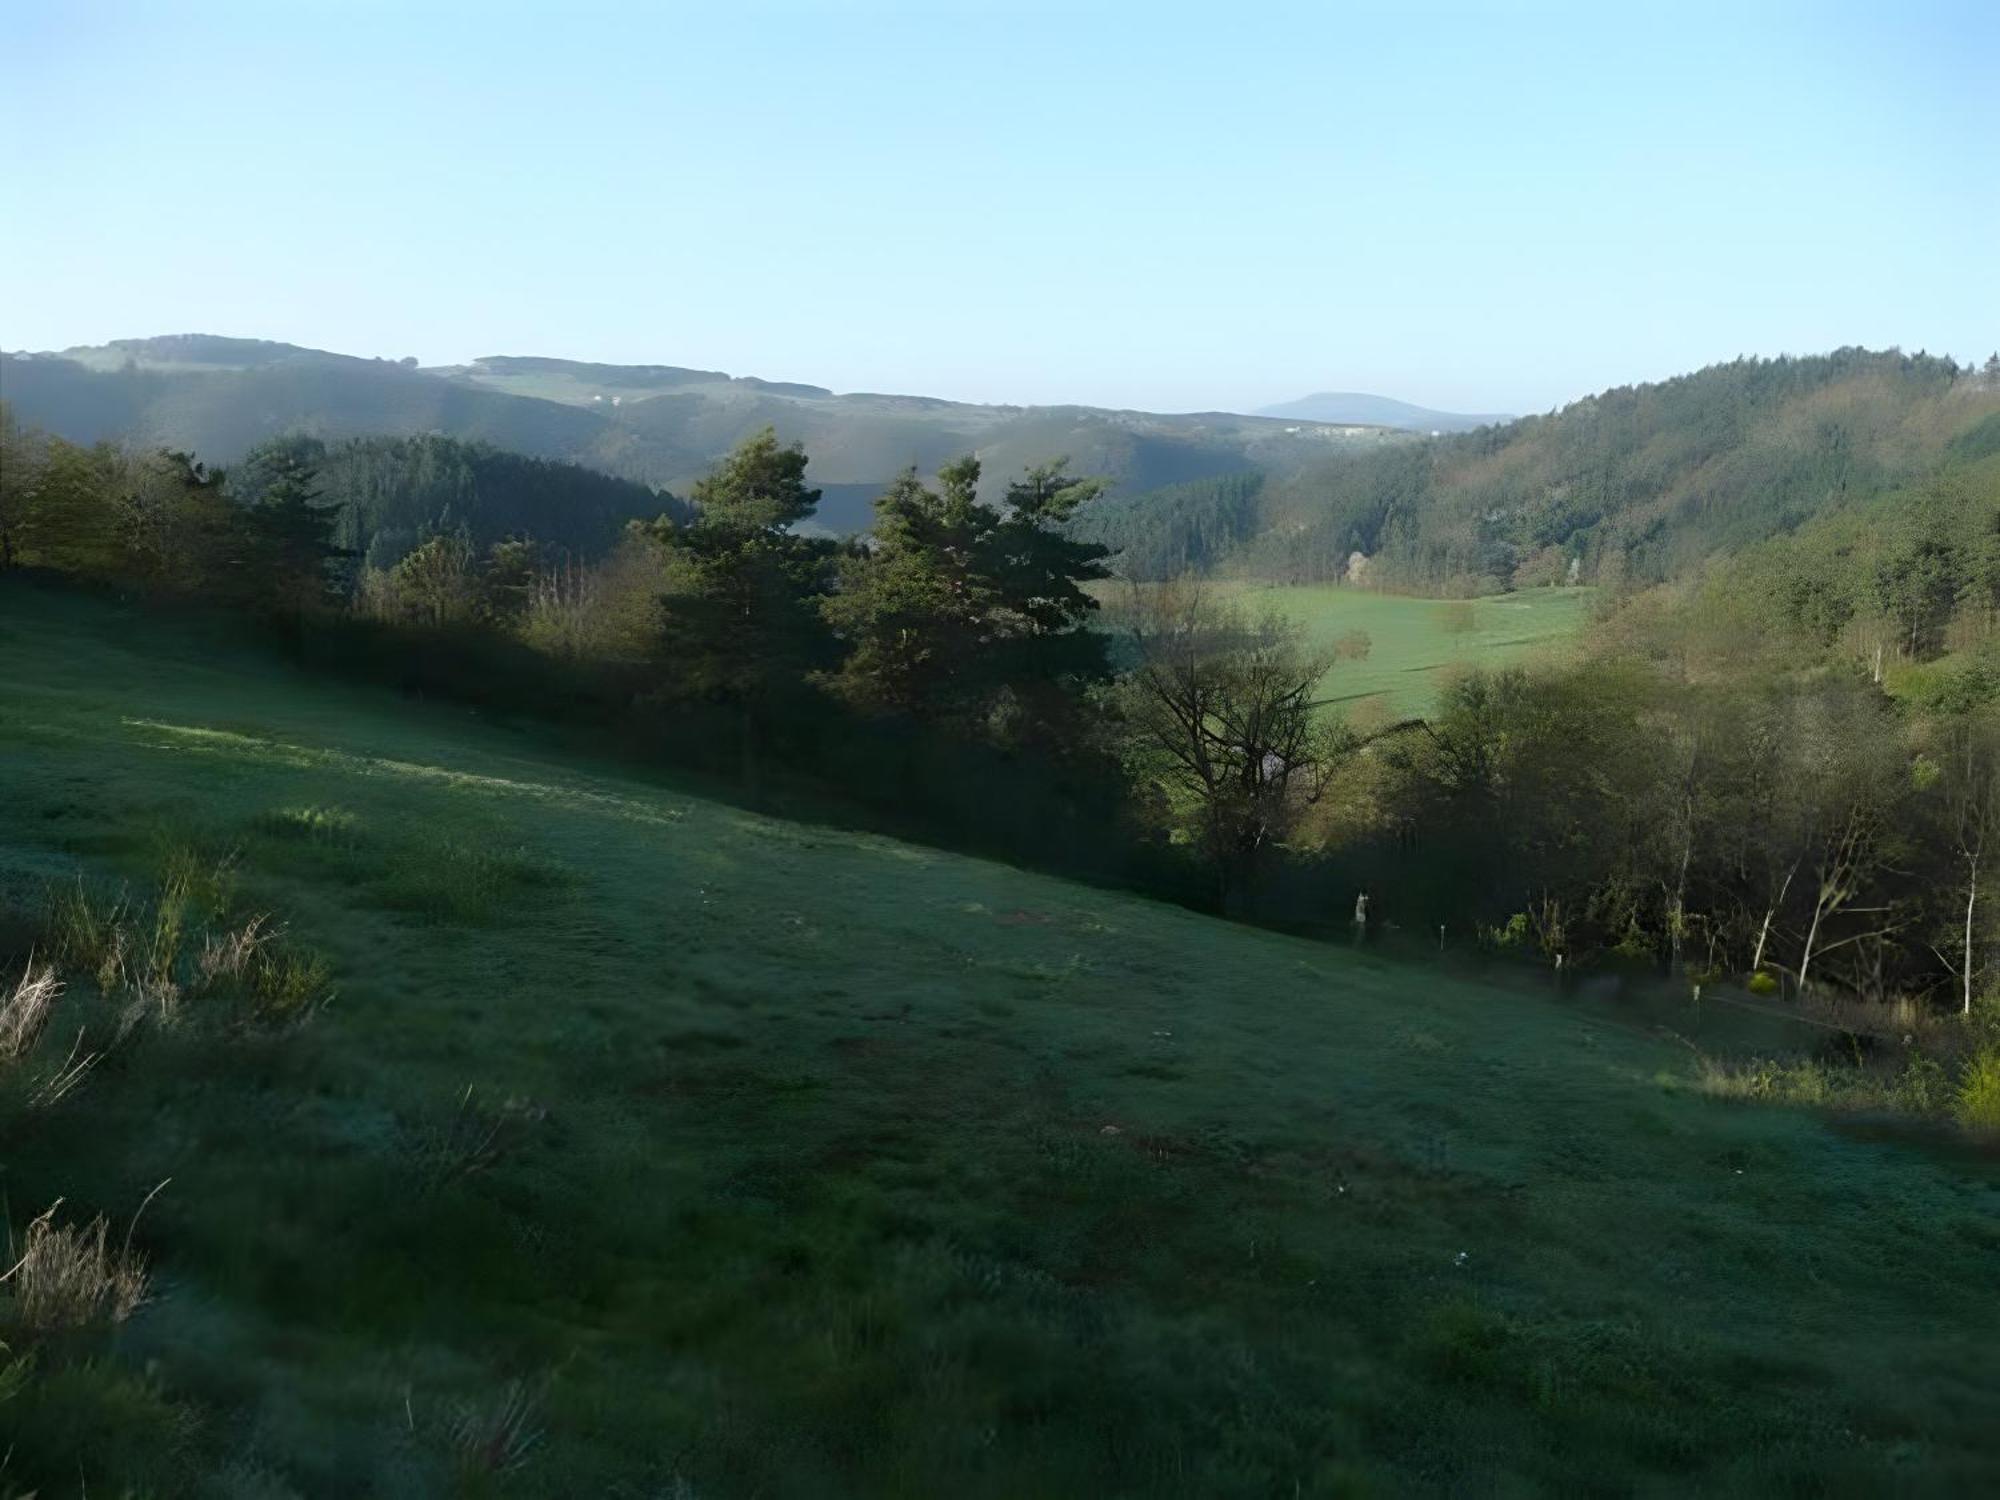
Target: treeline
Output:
[(1633, 486), (1806, 830)]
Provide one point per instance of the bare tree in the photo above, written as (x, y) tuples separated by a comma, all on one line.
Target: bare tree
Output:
[(1848, 766), (1968, 764)]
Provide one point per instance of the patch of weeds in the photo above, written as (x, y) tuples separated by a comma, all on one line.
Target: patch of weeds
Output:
[(1918, 1083), (464, 883), (24, 1010), (488, 1440), (69, 1278), (334, 827), (1462, 1341), (182, 945), (474, 1138), (272, 980), (92, 931), (96, 1427)]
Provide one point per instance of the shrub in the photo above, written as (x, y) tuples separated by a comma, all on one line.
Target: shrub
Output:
[(1979, 1091), (1762, 983)]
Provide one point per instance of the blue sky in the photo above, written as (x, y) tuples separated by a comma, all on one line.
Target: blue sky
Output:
[(1483, 207)]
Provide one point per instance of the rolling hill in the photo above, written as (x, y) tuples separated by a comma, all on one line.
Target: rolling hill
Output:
[(1638, 484), (660, 425), (1377, 411), (651, 1146)]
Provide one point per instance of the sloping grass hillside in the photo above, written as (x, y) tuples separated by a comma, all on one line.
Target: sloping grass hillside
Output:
[(650, 1147)]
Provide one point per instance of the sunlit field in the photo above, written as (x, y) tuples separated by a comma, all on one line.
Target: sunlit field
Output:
[(1412, 645)]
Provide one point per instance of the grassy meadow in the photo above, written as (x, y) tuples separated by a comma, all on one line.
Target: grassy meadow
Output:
[(1413, 644), (653, 1147)]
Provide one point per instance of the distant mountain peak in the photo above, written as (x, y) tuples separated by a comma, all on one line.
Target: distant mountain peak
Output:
[(1357, 408)]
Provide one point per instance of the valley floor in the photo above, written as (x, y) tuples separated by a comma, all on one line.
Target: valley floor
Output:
[(742, 1157), (1415, 644)]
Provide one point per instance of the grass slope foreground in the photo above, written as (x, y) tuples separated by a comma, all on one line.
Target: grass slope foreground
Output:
[(649, 1147)]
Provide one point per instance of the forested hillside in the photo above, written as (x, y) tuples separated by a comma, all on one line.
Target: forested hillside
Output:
[(1638, 484), (1183, 528), (389, 494), (660, 425)]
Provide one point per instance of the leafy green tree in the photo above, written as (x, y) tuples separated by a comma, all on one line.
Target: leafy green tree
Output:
[(1917, 585), (436, 584), (176, 526), (20, 460), (65, 515)]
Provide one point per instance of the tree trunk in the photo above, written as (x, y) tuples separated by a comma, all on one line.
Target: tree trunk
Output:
[(1971, 900), (1812, 934), (1677, 909), (1770, 915)]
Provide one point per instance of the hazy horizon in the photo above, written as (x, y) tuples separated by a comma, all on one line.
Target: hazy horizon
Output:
[(1460, 208)]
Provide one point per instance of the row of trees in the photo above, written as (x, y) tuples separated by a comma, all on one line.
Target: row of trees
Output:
[(1796, 826), (162, 522)]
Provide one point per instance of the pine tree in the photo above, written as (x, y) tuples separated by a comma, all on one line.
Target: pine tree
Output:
[(740, 623), (294, 562), (968, 614)]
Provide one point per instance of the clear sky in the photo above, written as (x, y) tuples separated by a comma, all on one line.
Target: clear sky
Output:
[(1480, 207)]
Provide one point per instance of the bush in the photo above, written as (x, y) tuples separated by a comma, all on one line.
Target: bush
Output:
[(1762, 983), (1979, 1091)]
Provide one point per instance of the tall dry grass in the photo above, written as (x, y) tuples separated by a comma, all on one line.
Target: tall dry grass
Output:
[(69, 1276)]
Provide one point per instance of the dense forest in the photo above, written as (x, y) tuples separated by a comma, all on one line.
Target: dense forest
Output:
[(390, 494), (1171, 532), (1638, 484)]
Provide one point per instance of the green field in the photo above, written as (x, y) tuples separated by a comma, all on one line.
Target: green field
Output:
[(799, 1162), (1414, 644)]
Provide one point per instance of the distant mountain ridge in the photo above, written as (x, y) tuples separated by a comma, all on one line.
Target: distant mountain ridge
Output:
[(1377, 411), (662, 425)]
